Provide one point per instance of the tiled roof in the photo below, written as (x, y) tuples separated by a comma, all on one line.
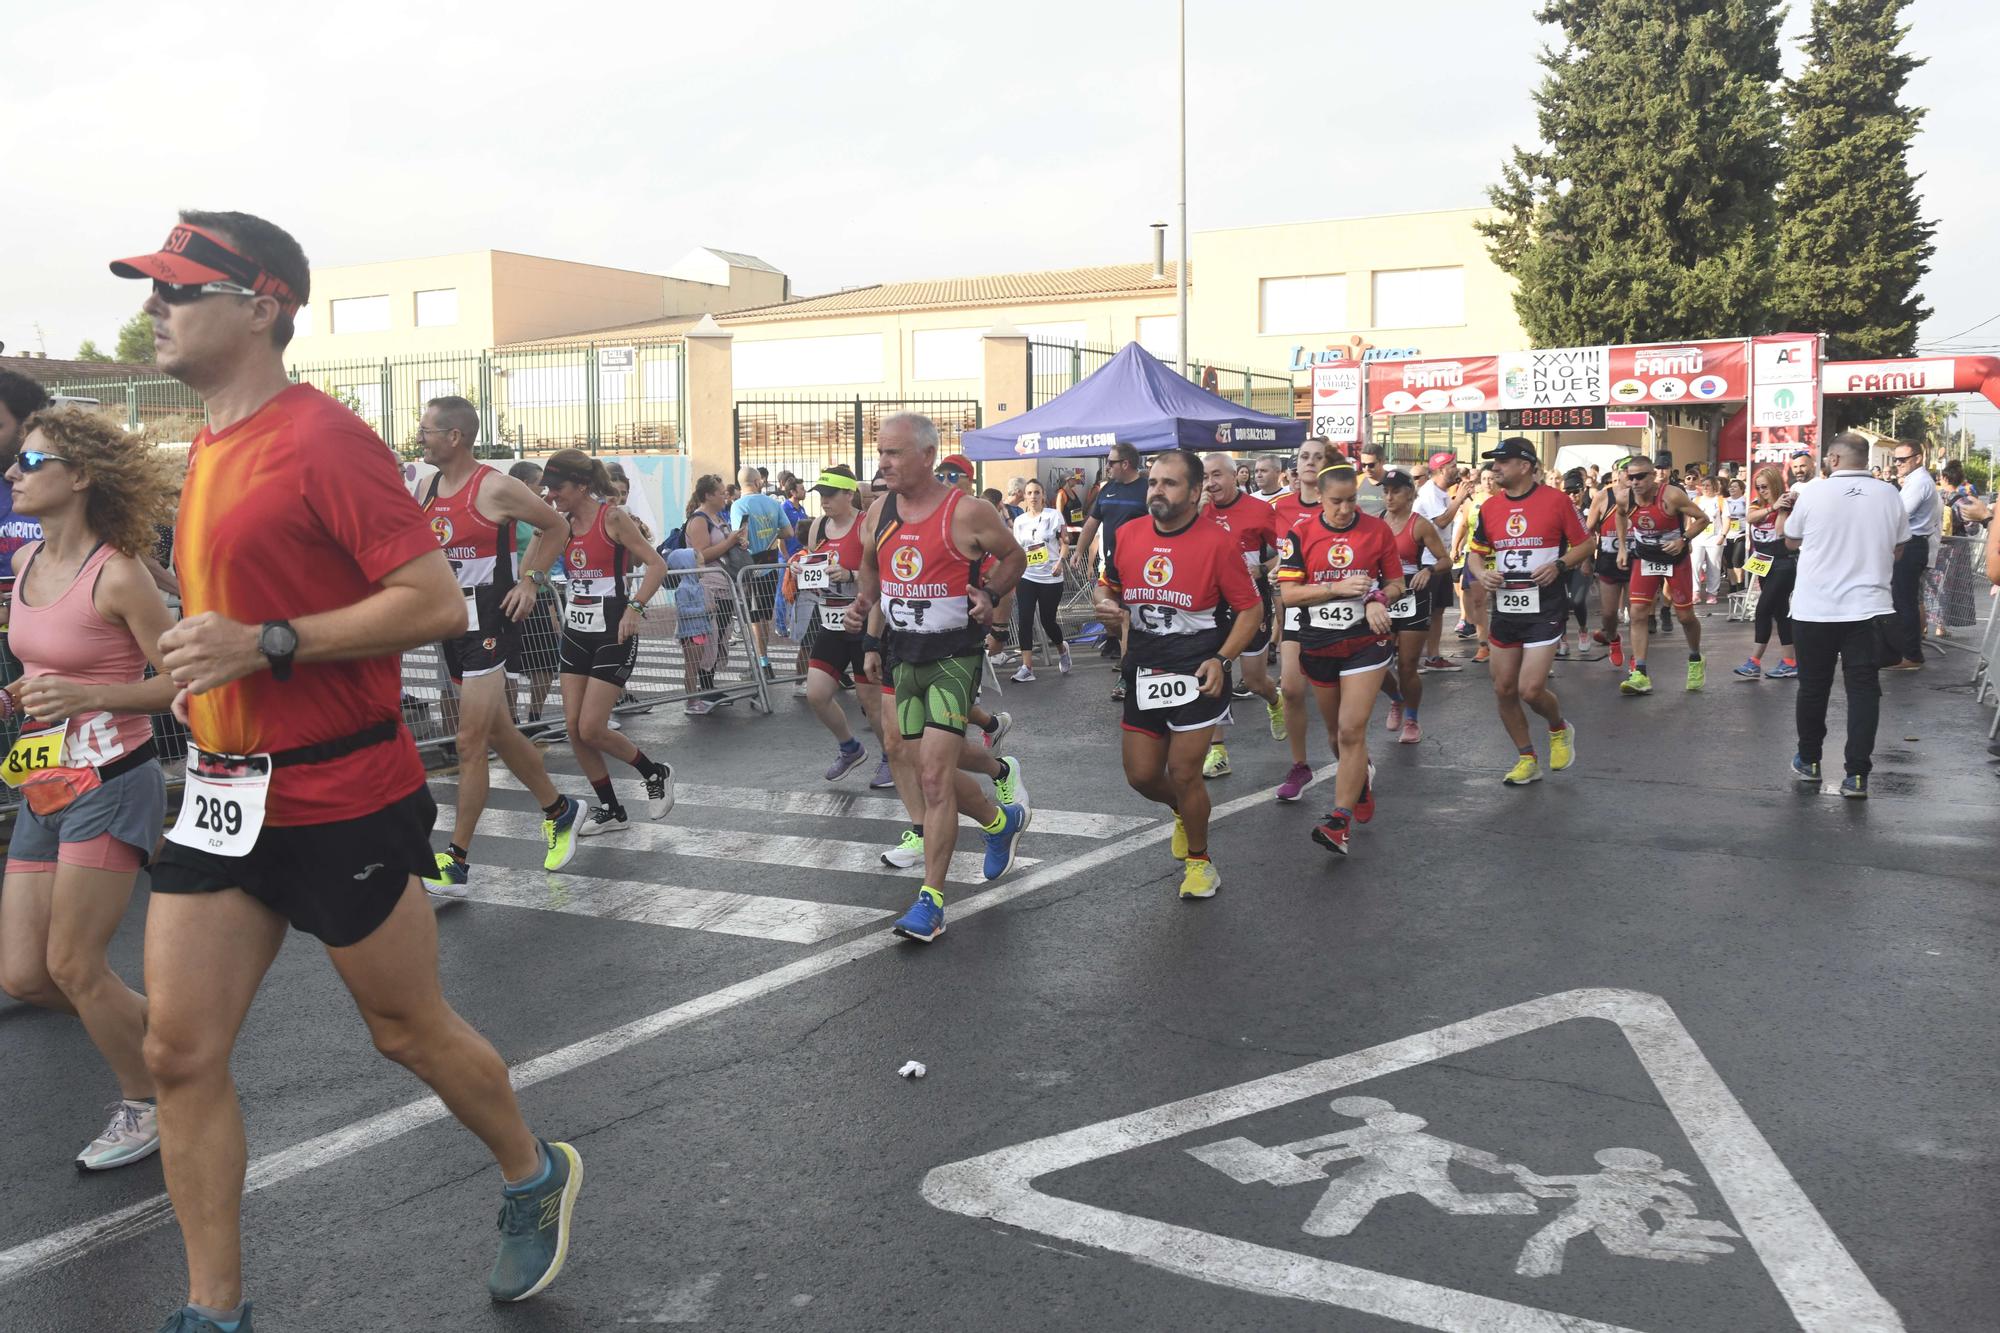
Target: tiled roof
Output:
[(49, 371), (1065, 284), (669, 329)]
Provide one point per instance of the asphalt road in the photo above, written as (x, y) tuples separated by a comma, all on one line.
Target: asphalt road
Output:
[(1778, 1005)]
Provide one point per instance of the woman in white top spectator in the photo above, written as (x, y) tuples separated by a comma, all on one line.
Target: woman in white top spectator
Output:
[(1039, 529)]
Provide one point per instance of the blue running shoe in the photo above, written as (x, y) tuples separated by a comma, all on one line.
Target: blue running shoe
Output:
[(1000, 846), (1803, 771), (534, 1227), (1855, 786), (1751, 668), (924, 921), (1783, 671), (185, 1320)]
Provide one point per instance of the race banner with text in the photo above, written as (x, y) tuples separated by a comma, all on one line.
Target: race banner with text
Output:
[(1336, 402), (1639, 375)]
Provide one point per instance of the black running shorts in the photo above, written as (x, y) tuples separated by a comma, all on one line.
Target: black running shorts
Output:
[(337, 882), (599, 656)]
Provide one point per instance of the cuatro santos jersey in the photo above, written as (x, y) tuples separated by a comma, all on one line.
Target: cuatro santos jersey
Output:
[(1254, 525), (1181, 589), (1518, 535), (300, 509), (479, 549), (1318, 552), (926, 582)]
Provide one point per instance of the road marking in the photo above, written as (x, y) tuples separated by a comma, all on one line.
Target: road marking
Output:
[(770, 849), (60, 1247), (1815, 1274), (787, 920), (846, 805)]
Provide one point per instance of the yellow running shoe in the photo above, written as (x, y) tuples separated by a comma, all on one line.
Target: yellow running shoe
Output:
[(1276, 708), (1201, 881), (1217, 763), (1180, 838), (1562, 748), (1525, 770)]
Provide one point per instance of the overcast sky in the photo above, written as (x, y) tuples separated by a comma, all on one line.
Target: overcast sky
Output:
[(845, 144)]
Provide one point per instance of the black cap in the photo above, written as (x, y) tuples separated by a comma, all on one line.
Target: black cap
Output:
[(1514, 446), (1395, 476)]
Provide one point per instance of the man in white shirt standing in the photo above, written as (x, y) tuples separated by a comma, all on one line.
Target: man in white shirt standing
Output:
[(1920, 501), (1438, 500), (1849, 529), (1269, 475)]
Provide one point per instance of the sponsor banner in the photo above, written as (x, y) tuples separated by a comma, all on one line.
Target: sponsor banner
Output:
[(1658, 374), (1785, 389), (1336, 403), (1629, 420), (1555, 377), (1029, 443), (1435, 384), (1786, 361), (1931, 375)]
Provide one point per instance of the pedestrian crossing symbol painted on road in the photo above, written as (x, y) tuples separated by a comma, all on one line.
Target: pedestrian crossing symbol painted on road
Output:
[(1446, 1210)]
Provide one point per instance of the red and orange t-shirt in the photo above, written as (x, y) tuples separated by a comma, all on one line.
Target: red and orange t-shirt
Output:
[(296, 510)]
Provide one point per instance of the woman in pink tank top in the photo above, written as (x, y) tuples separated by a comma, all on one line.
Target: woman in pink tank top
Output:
[(86, 620)]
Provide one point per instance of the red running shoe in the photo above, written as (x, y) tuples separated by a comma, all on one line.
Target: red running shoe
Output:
[(1332, 834), (1617, 653), (1364, 809)]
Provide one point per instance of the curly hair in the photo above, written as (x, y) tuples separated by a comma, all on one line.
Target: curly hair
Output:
[(132, 481)]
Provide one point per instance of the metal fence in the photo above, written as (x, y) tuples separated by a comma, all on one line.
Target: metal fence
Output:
[(803, 435), (1054, 368), (627, 398)]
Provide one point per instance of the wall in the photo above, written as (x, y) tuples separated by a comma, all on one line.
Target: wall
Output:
[(470, 274), (747, 287), (541, 298), (1224, 306)]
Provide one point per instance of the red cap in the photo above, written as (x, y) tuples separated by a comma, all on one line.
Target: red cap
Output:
[(1442, 458), (959, 461), (192, 255)]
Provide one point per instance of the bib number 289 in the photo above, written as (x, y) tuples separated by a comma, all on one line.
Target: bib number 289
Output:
[(222, 810), (218, 814)]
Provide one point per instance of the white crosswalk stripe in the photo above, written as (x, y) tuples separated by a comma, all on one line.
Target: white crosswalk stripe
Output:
[(788, 920), (829, 804), (771, 849)]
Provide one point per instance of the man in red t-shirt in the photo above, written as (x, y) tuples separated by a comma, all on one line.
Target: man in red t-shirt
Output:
[(306, 568), (1526, 539), (1174, 582), (1298, 503)]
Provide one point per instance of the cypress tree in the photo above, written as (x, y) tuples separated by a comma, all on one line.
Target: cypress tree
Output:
[(1647, 212), (1852, 241)]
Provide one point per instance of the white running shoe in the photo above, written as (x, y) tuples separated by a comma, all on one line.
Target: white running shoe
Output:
[(660, 793), (601, 819), (132, 1135), (1002, 724), (907, 853), (1062, 659), (1025, 676)]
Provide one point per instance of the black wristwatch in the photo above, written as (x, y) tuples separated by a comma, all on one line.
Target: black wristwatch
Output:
[(279, 642)]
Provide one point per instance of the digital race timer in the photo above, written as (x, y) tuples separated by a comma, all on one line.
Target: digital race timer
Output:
[(1552, 418)]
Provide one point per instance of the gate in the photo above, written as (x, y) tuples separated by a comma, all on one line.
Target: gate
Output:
[(1055, 367), (803, 435)]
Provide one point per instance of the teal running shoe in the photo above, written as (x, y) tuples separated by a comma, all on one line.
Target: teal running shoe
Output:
[(185, 1320), (534, 1227)]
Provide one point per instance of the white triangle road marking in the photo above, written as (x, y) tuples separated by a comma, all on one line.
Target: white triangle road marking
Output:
[(787, 920), (1819, 1280)]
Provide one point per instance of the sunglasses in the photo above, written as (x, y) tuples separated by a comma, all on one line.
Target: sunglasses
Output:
[(185, 293), (32, 460), (1906, 458), (1637, 476)]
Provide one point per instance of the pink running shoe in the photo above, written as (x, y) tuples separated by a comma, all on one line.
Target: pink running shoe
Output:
[(1412, 733), (1394, 722), (1295, 782)]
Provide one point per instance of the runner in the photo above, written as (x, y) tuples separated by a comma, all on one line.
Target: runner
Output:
[(473, 509), (20, 398), (831, 562), (1338, 576), (1476, 604), (1174, 584), (1439, 499), (600, 643), (306, 568), (87, 619), (1118, 501), (1291, 507), (1532, 537), (1410, 615), (1776, 568), (1579, 577), (1254, 525), (919, 546), (1653, 546), (1039, 530), (1606, 523)]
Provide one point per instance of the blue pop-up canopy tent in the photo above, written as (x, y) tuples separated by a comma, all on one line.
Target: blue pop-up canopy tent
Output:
[(1140, 400)]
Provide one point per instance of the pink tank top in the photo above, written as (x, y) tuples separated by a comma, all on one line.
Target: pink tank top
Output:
[(68, 637)]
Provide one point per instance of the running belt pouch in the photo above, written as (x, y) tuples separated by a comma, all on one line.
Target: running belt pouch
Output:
[(54, 790)]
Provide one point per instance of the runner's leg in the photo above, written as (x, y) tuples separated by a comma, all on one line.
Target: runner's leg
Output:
[(820, 691), (1409, 647), (25, 901), (1532, 683), (1292, 681), (84, 914), (393, 977), (1507, 691), (206, 954), (1184, 753), (1145, 760), (575, 690), (482, 722)]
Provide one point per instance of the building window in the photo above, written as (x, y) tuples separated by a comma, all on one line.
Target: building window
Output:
[(781, 363), (437, 309), (302, 322), (361, 314), (1419, 298), (1315, 304), (948, 354), (1161, 335)]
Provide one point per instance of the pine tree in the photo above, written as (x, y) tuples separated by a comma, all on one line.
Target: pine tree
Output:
[(1646, 214), (88, 351), (1852, 241)]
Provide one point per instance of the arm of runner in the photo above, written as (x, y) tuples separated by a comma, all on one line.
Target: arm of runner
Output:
[(1083, 540), (867, 580), (508, 499), (163, 578), (1576, 546), (622, 528), (1478, 549), (1685, 506), (125, 595), (1208, 676), (979, 527), (1430, 539)]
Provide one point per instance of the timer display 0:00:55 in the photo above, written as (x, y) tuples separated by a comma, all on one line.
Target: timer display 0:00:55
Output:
[(1552, 418)]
